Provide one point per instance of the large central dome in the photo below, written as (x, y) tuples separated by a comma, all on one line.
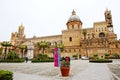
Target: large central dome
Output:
[(74, 17)]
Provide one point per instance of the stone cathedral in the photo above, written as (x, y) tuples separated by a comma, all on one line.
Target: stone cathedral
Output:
[(99, 39)]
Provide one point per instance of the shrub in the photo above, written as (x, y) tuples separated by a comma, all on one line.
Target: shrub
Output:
[(95, 56), (12, 55), (107, 55), (117, 56), (75, 56), (6, 75), (12, 61), (101, 60), (37, 60), (42, 58)]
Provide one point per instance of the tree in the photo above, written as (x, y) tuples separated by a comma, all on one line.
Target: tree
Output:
[(1, 51), (61, 46), (6, 44), (84, 32), (43, 45), (23, 48)]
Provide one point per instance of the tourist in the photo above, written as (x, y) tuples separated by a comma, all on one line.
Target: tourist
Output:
[(26, 59)]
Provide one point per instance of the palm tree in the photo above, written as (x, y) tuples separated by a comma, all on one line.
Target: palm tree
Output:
[(84, 32), (6, 44), (43, 45), (1, 51), (61, 46), (23, 48)]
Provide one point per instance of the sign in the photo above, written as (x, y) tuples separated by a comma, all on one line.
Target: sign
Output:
[(56, 57)]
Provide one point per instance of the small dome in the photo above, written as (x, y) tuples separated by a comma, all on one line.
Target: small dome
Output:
[(74, 17)]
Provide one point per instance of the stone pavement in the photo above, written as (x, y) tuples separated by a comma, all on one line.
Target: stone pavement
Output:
[(115, 69), (80, 70)]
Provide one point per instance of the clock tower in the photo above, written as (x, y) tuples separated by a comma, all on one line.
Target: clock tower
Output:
[(108, 19)]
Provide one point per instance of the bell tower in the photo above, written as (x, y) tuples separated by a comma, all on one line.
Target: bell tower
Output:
[(108, 19), (18, 37), (21, 31)]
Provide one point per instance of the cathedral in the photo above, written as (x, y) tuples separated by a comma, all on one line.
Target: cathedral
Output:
[(99, 39)]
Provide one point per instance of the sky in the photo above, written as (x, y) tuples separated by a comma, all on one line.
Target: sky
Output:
[(49, 17)]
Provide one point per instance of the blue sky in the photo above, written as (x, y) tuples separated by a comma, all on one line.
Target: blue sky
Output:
[(49, 17)]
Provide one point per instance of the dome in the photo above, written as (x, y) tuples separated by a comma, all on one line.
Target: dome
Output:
[(74, 17)]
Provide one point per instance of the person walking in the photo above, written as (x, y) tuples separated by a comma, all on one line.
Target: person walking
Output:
[(26, 59)]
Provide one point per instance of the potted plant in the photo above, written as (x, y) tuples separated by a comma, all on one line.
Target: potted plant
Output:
[(65, 67)]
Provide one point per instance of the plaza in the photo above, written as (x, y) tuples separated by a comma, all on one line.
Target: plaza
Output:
[(80, 70)]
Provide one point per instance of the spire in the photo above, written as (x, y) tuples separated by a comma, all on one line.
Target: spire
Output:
[(73, 12), (21, 26), (106, 9)]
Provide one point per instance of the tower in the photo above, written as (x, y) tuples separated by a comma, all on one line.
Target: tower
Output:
[(18, 37), (108, 19), (21, 32)]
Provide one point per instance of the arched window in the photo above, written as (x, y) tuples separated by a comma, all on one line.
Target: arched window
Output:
[(70, 39), (101, 35)]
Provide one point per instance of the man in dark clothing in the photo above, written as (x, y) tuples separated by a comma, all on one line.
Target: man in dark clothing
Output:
[(26, 59)]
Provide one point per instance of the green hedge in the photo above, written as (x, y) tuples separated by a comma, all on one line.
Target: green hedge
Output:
[(100, 60), (6, 75), (37, 60), (13, 61)]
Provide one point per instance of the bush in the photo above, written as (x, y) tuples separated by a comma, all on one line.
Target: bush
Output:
[(6, 75), (13, 61), (38, 60), (42, 58), (75, 56), (101, 60), (107, 55), (95, 56), (12, 55), (117, 56)]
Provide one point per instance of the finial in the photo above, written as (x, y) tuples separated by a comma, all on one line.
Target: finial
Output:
[(73, 12), (22, 24), (106, 9)]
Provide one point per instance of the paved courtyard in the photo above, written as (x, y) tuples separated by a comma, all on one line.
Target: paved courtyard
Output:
[(80, 70)]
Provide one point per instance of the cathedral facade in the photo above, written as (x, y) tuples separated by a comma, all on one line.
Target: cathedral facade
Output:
[(99, 39)]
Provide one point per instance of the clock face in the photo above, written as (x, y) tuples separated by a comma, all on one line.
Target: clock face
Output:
[(110, 29)]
